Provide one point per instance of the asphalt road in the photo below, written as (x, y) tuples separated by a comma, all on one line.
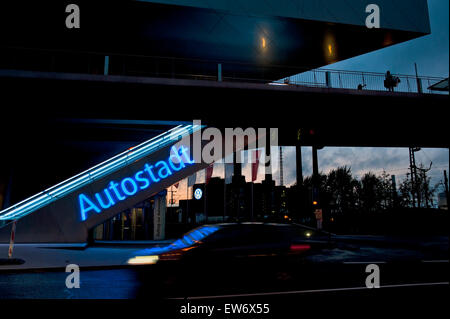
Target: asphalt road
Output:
[(403, 300), (327, 274), (124, 283), (329, 283), (386, 302), (94, 284)]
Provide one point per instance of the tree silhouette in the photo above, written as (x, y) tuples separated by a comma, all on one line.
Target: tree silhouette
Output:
[(421, 188), (342, 189), (370, 193), (340, 192)]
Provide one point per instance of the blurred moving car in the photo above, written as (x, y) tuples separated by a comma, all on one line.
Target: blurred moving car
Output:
[(245, 258), (228, 257)]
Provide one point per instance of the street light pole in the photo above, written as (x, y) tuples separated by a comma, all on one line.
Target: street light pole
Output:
[(446, 186)]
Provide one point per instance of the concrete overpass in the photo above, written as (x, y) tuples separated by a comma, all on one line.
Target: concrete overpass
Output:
[(61, 116), (150, 36), (341, 117), (49, 142)]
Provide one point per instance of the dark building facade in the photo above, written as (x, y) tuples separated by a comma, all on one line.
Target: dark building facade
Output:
[(185, 38), (245, 40)]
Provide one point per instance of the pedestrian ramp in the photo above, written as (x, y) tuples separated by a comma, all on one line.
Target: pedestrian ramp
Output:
[(67, 211)]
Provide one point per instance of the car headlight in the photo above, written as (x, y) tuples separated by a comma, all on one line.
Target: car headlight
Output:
[(143, 260)]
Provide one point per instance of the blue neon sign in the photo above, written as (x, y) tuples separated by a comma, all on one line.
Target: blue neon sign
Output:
[(87, 177), (130, 186)]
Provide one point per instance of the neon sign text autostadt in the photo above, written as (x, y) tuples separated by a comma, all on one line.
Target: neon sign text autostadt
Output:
[(130, 186)]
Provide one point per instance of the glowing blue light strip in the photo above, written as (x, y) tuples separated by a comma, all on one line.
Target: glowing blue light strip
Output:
[(62, 189), (102, 169), (185, 242)]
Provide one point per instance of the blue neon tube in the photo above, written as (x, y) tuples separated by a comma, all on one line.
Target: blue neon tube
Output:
[(111, 165)]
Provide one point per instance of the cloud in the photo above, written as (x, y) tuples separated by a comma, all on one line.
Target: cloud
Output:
[(395, 161), (400, 58), (361, 160)]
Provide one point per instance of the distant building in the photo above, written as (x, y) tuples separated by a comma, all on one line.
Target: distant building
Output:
[(442, 201), (245, 201)]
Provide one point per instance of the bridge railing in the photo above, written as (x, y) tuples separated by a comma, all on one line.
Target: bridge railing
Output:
[(111, 165), (361, 80), (170, 67)]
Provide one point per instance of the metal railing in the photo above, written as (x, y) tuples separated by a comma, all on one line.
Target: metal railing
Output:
[(362, 80), (110, 166), (170, 67)]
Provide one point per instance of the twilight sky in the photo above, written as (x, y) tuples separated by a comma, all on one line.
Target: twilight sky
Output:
[(431, 53), (395, 161)]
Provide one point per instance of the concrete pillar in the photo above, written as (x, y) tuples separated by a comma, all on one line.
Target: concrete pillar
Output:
[(315, 164), (237, 187), (219, 72), (106, 67), (315, 177), (299, 164), (328, 79), (268, 168), (237, 167), (159, 216)]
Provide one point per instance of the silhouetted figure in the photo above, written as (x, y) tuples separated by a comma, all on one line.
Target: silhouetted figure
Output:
[(361, 86), (391, 81), (319, 218)]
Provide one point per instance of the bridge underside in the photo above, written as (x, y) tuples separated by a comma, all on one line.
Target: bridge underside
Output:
[(63, 116), (55, 128), (248, 44), (340, 117)]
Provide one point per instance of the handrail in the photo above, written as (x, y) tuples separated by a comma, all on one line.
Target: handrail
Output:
[(296, 68), (107, 167)]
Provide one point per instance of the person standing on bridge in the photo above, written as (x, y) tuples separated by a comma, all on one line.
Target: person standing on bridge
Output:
[(391, 81)]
